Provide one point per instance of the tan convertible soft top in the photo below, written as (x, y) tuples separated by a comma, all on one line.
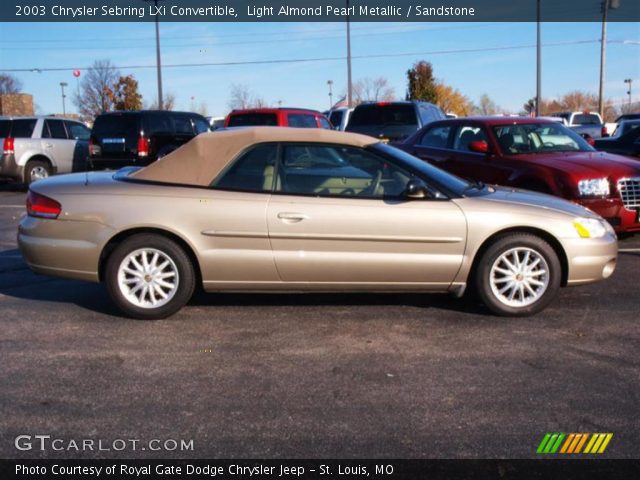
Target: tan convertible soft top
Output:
[(199, 161)]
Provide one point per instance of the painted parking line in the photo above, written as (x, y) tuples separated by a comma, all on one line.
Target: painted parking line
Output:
[(628, 250), (12, 206)]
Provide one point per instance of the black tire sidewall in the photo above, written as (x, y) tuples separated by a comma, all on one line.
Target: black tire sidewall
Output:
[(186, 282), (31, 164), (499, 246)]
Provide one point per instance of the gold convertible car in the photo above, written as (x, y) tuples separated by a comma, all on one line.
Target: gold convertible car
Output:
[(281, 209)]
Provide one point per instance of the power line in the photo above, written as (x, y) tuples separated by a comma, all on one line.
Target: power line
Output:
[(323, 59)]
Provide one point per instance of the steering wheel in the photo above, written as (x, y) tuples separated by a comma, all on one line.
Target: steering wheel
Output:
[(375, 184)]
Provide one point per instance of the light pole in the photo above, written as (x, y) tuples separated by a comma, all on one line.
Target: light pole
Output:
[(349, 86), (629, 80), (538, 66), (330, 83), (158, 62), (62, 85)]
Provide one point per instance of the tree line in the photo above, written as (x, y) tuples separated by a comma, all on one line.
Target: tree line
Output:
[(104, 88)]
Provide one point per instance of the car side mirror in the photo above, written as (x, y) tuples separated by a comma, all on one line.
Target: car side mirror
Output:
[(416, 189), (479, 146)]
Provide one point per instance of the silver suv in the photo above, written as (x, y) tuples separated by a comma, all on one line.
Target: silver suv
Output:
[(37, 147)]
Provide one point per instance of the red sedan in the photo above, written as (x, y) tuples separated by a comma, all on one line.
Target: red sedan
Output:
[(534, 154)]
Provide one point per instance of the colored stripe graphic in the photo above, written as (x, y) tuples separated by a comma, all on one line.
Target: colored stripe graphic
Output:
[(573, 443)]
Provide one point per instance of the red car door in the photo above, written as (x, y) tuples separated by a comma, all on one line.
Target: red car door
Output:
[(433, 146), (472, 163)]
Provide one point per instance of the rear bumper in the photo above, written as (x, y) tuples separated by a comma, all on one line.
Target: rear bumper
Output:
[(614, 212), (590, 260), (10, 169), (68, 249)]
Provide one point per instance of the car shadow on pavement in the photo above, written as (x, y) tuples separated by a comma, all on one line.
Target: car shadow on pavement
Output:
[(12, 186), (467, 304), (18, 281)]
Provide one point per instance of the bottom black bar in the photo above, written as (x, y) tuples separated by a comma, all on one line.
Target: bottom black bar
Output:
[(574, 469)]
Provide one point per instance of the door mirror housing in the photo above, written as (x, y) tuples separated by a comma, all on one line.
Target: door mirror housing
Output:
[(479, 146), (416, 189)]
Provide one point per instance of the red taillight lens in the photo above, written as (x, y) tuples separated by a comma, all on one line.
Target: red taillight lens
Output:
[(41, 206), (603, 132), (93, 148), (143, 147), (8, 146)]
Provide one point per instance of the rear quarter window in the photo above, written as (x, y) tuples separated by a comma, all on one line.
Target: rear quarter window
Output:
[(23, 128), (5, 128)]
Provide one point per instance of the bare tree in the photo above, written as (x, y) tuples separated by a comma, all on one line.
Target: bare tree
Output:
[(373, 90), (94, 97), (242, 97), (487, 106), (9, 84), (168, 102)]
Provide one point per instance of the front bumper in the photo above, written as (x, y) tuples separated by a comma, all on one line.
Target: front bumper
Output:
[(590, 260), (68, 249), (614, 212), (10, 169)]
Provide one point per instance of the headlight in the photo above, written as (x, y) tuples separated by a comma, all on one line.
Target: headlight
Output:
[(591, 227), (594, 187)]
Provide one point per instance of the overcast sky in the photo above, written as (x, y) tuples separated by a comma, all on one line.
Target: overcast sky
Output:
[(493, 58)]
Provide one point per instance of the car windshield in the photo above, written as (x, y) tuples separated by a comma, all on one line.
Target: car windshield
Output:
[(441, 178), (385, 114), (517, 139)]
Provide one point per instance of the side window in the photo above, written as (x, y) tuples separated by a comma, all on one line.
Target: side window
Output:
[(78, 131), (336, 117), (159, 125), (467, 134), (56, 129), (182, 124), (254, 171), (324, 123), (199, 125), (23, 128), (302, 120), (437, 137), (338, 171)]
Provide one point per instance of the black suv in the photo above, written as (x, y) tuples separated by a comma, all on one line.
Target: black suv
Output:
[(119, 139), (392, 121)]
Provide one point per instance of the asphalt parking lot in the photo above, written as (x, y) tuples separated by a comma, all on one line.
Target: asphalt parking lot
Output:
[(309, 376)]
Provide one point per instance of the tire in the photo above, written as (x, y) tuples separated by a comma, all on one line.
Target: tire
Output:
[(36, 170), (138, 291), (504, 289)]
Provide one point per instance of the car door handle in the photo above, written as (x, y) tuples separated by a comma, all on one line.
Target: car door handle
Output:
[(292, 217), (48, 145)]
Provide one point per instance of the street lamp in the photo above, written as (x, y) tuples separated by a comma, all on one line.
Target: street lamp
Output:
[(158, 62), (330, 83), (62, 85), (629, 80)]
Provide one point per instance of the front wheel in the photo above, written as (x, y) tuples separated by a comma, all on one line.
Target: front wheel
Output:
[(149, 277), (518, 275)]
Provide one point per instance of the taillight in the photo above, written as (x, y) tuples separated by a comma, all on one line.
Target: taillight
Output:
[(93, 148), (8, 145), (603, 132), (41, 206), (143, 147)]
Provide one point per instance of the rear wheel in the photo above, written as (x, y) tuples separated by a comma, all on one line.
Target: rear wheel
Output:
[(518, 275), (36, 170), (149, 277)]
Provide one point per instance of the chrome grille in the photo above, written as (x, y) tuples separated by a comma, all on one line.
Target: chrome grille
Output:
[(629, 189)]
